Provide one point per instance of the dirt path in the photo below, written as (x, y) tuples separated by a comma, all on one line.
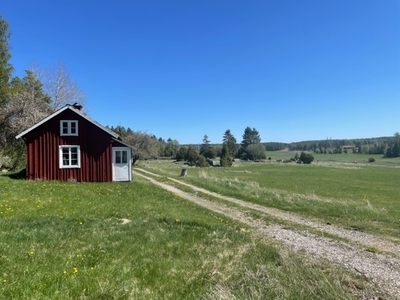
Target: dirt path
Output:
[(382, 269)]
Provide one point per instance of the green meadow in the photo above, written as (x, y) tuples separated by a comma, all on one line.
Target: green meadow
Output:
[(68, 240), (345, 194)]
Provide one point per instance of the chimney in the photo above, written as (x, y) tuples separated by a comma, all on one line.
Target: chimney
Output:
[(77, 106)]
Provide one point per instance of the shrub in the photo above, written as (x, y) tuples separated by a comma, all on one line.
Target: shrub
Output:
[(202, 162), (371, 159), (306, 158)]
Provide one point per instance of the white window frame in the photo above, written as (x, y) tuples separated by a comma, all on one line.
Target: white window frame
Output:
[(61, 158), (69, 127)]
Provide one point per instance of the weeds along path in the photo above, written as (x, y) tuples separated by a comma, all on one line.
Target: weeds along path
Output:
[(382, 269)]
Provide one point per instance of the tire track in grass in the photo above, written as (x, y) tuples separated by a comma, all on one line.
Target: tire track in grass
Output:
[(383, 270)]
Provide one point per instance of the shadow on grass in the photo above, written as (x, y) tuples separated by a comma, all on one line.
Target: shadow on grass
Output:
[(21, 175)]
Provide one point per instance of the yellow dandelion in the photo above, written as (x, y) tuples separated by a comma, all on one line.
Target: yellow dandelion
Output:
[(74, 270), (31, 253), (65, 272)]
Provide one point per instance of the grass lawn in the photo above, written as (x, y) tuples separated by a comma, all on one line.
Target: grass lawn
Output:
[(65, 240), (366, 196)]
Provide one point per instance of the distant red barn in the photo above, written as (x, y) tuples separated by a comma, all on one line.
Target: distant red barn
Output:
[(69, 145)]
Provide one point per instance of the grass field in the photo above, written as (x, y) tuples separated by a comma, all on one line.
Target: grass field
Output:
[(349, 157), (66, 240), (345, 194)]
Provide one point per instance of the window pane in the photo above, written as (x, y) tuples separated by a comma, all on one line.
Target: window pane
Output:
[(73, 127), (65, 156), (124, 157), (65, 127), (74, 156), (117, 157)]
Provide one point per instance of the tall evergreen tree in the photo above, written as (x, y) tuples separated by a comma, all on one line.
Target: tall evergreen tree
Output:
[(250, 136), (226, 159), (206, 149), (5, 67), (5, 75), (230, 142)]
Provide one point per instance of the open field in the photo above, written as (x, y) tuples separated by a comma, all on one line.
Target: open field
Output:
[(349, 157), (359, 196), (66, 240)]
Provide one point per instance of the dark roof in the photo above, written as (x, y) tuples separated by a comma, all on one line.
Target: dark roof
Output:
[(75, 110)]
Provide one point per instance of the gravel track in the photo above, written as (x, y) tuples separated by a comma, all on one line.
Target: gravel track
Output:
[(381, 268)]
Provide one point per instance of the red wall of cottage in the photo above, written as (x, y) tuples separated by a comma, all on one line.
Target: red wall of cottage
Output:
[(42, 152)]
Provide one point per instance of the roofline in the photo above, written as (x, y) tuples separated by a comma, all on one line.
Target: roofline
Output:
[(127, 145), (68, 106)]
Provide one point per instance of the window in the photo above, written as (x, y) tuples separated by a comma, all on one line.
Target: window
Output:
[(121, 157), (68, 127), (70, 156)]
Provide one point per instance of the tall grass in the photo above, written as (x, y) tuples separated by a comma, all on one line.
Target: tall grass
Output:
[(64, 240), (342, 194)]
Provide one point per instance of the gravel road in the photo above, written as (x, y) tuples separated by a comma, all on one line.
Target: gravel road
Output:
[(382, 268)]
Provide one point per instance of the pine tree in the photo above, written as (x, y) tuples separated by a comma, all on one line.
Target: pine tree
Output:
[(231, 142), (226, 159)]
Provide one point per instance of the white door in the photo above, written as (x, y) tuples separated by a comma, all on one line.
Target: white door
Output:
[(121, 157)]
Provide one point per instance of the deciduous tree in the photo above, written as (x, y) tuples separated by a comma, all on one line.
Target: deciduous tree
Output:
[(306, 158), (255, 152), (58, 84), (27, 105)]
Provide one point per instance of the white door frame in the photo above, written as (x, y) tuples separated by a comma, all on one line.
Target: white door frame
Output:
[(121, 164)]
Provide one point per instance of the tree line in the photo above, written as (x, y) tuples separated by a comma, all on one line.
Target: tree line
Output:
[(26, 100), (148, 146), (387, 146)]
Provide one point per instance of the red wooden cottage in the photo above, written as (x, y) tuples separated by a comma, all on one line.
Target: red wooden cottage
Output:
[(69, 145)]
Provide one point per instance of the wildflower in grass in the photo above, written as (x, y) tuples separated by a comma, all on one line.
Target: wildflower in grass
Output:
[(31, 253), (91, 268), (5, 280), (65, 272), (74, 270), (80, 223), (177, 220)]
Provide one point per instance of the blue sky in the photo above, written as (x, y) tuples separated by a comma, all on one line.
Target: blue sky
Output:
[(294, 70)]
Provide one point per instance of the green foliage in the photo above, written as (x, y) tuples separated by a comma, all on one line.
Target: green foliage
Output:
[(192, 156), (306, 158), (5, 67), (371, 159), (255, 152), (226, 159), (181, 154), (171, 148), (250, 136), (393, 150), (231, 142), (206, 149), (202, 162)]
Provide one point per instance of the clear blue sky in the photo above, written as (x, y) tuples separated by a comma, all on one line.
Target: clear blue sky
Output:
[(294, 70)]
